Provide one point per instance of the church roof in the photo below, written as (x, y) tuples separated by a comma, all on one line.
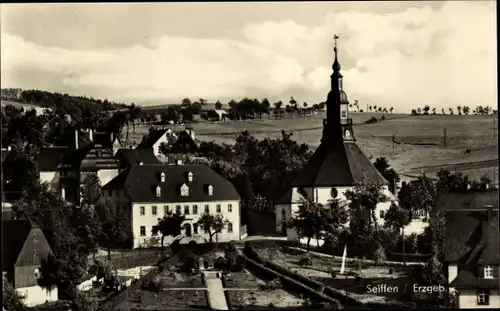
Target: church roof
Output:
[(341, 164)]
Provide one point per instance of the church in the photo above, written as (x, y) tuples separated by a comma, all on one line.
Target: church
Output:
[(335, 167)]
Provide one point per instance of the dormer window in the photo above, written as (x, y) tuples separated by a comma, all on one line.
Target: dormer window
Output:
[(210, 190), (158, 191), (184, 190), (488, 272), (190, 176), (162, 177)]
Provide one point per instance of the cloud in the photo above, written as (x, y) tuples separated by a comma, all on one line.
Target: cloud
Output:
[(443, 58)]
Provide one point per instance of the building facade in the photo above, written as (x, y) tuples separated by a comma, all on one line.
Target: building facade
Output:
[(473, 257), (336, 166), (149, 192), (24, 247)]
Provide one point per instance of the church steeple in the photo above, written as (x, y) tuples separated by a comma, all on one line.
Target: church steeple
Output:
[(337, 127)]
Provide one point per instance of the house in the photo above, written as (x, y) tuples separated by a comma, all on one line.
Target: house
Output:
[(473, 256), (148, 192), (155, 138), (336, 165), (128, 157), (25, 107), (48, 161), (452, 201), (24, 247)]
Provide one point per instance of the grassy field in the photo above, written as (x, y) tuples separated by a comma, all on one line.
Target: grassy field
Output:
[(419, 140)]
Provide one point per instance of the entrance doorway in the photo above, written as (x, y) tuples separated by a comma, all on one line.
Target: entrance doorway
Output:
[(187, 227)]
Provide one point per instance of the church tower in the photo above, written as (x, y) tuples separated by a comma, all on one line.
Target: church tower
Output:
[(337, 126)]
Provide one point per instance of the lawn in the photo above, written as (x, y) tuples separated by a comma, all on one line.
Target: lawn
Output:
[(165, 300)]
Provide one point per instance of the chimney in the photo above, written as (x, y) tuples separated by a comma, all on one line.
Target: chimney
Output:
[(76, 138), (63, 193)]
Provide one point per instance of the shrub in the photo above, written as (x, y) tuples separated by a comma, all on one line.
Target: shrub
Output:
[(305, 261), (379, 256), (272, 285), (155, 284), (221, 264), (371, 120), (383, 118)]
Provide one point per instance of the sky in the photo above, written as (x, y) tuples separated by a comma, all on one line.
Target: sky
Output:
[(393, 54)]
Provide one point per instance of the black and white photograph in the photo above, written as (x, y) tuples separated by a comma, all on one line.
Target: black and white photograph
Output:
[(286, 155)]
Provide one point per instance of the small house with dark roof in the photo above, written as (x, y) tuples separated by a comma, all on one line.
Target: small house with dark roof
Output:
[(152, 191), (473, 256), (337, 165), (155, 138), (23, 248)]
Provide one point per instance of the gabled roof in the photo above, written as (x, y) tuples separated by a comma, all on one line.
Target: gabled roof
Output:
[(149, 140), (185, 143), (337, 164), (14, 235), (49, 158), (141, 181), (472, 238), (134, 156)]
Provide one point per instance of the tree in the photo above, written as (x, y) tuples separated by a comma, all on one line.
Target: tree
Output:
[(466, 110), (396, 217), (212, 224), (11, 299), (367, 195), (308, 221), (370, 108), (114, 224), (218, 105), (459, 109), (419, 110), (451, 111), (90, 190), (442, 111), (434, 110), (391, 109), (382, 165), (169, 225), (426, 109)]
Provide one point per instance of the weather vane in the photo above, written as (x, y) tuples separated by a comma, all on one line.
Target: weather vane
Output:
[(335, 37)]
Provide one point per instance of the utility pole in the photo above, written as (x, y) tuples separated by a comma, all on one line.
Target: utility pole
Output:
[(444, 137), (494, 127), (393, 141)]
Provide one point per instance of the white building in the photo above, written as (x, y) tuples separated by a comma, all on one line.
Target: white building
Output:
[(473, 257), (336, 165), (150, 191), (23, 248)]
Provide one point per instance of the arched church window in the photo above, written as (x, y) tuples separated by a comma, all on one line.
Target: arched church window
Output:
[(283, 214), (347, 134)]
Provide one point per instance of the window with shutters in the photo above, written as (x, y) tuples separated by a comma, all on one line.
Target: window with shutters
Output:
[(195, 209), (207, 209), (382, 214), (143, 211), (230, 208), (177, 209), (166, 209), (229, 227), (483, 297), (143, 230), (154, 210), (217, 208), (186, 209)]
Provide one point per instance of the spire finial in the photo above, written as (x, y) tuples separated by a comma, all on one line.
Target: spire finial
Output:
[(336, 65)]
